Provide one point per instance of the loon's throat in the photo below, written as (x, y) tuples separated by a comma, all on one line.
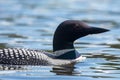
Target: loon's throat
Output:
[(62, 45), (66, 54)]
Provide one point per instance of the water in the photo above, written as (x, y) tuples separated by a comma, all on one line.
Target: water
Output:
[(31, 24)]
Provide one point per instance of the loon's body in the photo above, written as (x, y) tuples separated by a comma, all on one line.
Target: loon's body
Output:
[(17, 56), (63, 48)]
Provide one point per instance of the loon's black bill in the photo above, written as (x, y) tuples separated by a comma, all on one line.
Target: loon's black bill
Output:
[(96, 30)]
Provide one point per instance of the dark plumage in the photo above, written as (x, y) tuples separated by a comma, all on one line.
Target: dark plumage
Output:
[(69, 31), (64, 52)]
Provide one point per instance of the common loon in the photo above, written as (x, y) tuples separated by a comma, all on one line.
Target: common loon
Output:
[(63, 49)]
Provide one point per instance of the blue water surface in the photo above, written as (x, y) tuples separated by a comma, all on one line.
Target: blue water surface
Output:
[(31, 24)]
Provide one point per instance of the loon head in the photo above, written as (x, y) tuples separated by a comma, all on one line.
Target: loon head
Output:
[(69, 31)]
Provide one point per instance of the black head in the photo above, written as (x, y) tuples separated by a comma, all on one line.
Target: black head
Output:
[(70, 30)]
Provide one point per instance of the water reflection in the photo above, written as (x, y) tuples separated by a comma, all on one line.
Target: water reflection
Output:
[(65, 70), (96, 66), (38, 70), (115, 46), (3, 45), (10, 35), (11, 67), (58, 70), (31, 24)]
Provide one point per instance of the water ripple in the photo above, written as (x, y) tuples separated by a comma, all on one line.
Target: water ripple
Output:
[(31, 24)]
